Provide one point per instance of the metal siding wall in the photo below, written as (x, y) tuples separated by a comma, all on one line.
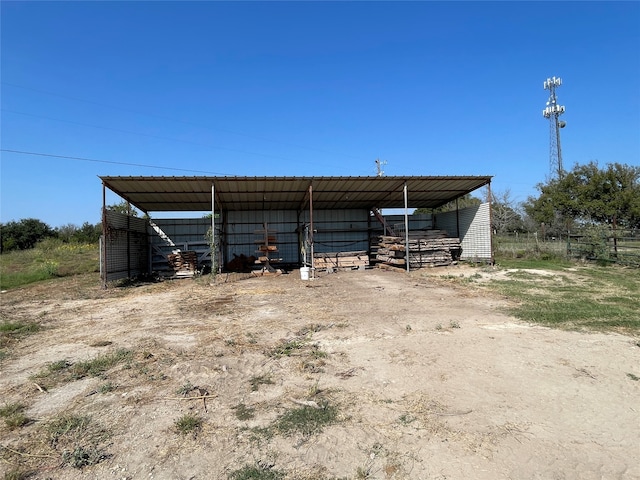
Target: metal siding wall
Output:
[(241, 233), (339, 230), (187, 234), (416, 222), (475, 230), (127, 246)]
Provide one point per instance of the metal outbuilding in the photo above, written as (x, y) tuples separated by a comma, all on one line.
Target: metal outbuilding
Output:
[(238, 204)]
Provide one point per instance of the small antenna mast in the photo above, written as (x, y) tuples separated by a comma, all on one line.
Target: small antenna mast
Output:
[(379, 165)]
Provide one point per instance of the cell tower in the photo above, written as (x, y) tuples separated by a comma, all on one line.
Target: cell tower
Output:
[(553, 112)]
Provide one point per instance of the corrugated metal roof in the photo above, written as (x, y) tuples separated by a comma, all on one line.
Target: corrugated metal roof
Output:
[(165, 194)]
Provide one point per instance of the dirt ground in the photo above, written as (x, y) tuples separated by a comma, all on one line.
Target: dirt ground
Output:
[(427, 380)]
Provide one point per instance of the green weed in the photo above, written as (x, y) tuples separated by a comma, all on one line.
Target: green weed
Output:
[(97, 366), (188, 424), (66, 426), (107, 387), (306, 420), (256, 472), (13, 415), (82, 456), (185, 389), (243, 412), (256, 381), (287, 348), (63, 371), (19, 328), (406, 419)]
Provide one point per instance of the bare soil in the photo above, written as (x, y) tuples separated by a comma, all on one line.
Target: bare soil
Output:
[(429, 381)]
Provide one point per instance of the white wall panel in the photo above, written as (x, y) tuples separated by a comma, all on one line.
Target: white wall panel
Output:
[(473, 226)]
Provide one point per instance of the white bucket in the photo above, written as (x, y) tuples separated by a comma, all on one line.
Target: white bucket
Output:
[(304, 273)]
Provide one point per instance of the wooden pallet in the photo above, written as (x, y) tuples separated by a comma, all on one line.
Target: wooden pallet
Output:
[(341, 260)]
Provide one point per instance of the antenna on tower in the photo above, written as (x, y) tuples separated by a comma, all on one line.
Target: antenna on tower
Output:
[(379, 165), (553, 112)]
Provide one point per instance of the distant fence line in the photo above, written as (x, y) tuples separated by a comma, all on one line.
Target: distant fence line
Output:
[(598, 244)]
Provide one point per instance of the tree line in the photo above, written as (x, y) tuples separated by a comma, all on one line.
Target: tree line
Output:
[(26, 233), (586, 196)]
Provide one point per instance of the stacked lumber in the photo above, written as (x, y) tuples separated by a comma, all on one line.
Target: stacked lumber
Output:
[(427, 248), (183, 263), (343, 260)]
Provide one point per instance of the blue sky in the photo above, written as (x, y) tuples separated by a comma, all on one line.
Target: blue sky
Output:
[(317, 89)]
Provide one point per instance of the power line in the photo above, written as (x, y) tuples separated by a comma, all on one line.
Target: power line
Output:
[(176, 120), (66, 157), (147, 135)]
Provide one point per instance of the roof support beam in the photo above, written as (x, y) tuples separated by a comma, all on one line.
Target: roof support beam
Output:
[(313, 266), (307, 196), (214, 250), (406, 225), (103, 243)]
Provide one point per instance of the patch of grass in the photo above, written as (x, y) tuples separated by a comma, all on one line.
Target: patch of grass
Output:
[(18, 474), (47, 260), (591, 297), (65, 427), (257, 472), (311, 329), (107, 387), (286, 348), (19, 328), (79, 440), (63, 371), (256, 381), (82, 456), (406, 419), (13, 415), (243, 412), (454, 324), (316, 353), (185, 389), (12, 331), (188, 424), (58, 366), (633, 377), (100, 364), (306, 420)]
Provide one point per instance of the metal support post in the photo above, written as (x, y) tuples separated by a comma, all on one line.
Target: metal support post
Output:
[(313, 266), (406, 225), (213, 229)]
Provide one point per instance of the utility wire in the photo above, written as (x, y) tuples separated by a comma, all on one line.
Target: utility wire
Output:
[(177, 120), (83, 159), (148, 135)]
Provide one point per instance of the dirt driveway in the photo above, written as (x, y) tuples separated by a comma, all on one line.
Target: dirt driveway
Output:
[(415, 379)]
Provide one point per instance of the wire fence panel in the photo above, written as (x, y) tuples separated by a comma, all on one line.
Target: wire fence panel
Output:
[(596, 244)]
